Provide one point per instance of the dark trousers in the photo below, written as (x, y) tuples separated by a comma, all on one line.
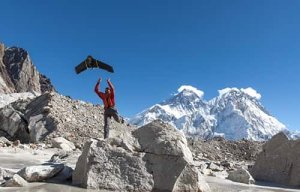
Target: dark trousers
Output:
[(108, 113)]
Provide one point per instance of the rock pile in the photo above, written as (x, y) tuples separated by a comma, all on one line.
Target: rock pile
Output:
[(220, 149), (219, 157), (52, 115)]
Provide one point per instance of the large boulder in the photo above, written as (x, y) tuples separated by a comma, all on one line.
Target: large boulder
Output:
[(62, 143), (241, 175), (152, 158), (40, 172), (13, 123), (4, 142), (279, 161), (62, 176), (16, 181), (68, 158), (5, 174), (105, 166), (168, 158)]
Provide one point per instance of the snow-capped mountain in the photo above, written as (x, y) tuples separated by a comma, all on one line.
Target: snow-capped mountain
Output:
[(293, 134), (239, 114), (234, 114), (186, 110)]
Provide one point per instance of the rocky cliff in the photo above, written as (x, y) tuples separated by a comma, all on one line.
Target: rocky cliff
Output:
[(18, 74)]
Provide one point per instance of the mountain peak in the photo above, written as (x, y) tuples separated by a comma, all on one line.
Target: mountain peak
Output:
[(18, 74), (248, 91), (188, 89)]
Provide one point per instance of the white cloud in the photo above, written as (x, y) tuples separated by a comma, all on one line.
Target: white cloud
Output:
[(251, 92), (227, 90), (191, 88)]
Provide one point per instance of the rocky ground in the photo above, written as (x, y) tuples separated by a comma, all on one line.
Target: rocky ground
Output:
[(217, 156), (53, 115), (14, 158), (220, 149)]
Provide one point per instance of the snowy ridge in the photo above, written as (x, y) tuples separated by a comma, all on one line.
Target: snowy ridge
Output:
[(190, 90), (249, 91), (234, 114)]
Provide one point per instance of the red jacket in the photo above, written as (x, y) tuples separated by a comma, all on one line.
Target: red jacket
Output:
[(108, 101)]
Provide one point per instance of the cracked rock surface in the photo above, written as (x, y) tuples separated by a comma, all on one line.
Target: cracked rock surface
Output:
[(153, 157)]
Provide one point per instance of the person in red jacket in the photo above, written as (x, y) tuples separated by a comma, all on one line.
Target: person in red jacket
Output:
[(108, 99)]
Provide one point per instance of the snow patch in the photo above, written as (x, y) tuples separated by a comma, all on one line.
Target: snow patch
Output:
[(6, 99), (192, 89), (227, 90), (2, 82), (169, 110), (249, 91)]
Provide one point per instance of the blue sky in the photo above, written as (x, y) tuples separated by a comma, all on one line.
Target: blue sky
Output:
[(156, 46)]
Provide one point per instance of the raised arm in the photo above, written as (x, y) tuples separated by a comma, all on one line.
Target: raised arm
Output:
[(110, 85), (97, 88)]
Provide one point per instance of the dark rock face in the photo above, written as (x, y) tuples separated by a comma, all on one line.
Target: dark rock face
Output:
[(18, 74), (45, 84), (6, 85), (13, 123)]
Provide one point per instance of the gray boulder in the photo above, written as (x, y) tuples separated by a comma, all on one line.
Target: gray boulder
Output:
[(68, 158), (104, 166), (13, 123), (279, 161), (168, 158), (4, 142), (62, 143), (241, 175), (40, 172), (62, 176), (16, 181), (215, 167), (154, 157), (5, 174)]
